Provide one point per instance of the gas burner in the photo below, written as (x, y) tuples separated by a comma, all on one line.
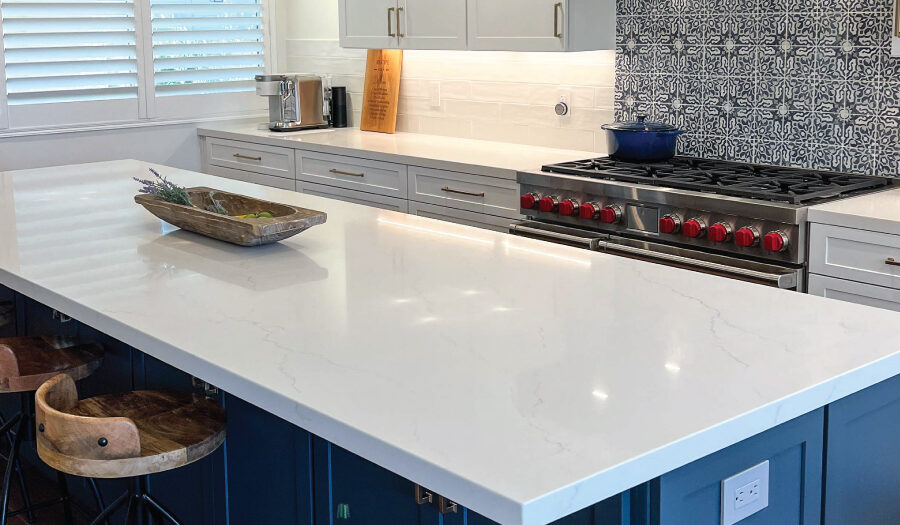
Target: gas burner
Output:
[(735, 179)]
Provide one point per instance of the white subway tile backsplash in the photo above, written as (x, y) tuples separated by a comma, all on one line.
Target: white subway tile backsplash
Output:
[(499, 96)]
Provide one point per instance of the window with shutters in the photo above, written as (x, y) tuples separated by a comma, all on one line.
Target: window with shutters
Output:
[(69, 62)]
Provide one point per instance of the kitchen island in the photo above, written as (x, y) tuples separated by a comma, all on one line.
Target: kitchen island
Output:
[(522, 380)]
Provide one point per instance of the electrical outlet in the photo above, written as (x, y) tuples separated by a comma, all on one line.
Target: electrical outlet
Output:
[(563, 107), (745, 494)]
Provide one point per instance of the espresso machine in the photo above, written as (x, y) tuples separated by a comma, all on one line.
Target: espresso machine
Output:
[(296, 102)]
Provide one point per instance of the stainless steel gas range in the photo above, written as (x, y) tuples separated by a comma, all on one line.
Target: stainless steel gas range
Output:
[(738, 220)]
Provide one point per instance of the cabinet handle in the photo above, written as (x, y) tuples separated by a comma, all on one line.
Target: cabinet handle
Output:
[(239, 156), (891, 262), (399, 29), (450, 190), (423, 496), (557, 7), (391, 21), (339, 172), (445, 506)]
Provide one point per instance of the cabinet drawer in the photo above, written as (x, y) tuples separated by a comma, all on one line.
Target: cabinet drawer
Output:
[(854, 292), (356, 197), (383, 178), (468, 218), (465, 191), (249, 176), (268, 160), (857, 255)]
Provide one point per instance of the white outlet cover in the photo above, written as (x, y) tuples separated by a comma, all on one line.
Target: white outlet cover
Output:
[(745, 494)]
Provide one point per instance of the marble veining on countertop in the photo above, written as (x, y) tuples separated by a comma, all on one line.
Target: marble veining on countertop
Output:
[(481, 157), (523, 379), (878, 211)]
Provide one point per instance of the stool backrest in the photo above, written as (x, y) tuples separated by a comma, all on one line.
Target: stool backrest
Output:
[(81, 437)]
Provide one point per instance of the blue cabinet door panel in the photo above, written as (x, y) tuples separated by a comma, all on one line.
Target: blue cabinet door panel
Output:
[(269, 468), (862, 473), (691, 495)]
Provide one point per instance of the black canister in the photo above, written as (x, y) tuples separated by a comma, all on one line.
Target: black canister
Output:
[(339, 107)]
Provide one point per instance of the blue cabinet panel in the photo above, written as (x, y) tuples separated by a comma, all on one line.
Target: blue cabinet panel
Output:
[(351, 490), (690, 495), (7, 312), (269, 467), (862, 470)]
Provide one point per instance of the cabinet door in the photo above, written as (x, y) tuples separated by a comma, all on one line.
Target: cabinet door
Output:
[(368, 24), (854, 292), (517, 25), (432, 24), (351, 490)]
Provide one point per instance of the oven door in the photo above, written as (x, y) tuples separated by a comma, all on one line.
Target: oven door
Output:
[(778, 276)]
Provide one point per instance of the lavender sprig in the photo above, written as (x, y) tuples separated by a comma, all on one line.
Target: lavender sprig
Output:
[(163, 189)]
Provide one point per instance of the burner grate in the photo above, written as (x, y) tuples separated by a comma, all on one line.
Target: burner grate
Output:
[(753, 181)]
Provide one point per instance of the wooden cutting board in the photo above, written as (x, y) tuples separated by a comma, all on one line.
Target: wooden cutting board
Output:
[(381, 93)]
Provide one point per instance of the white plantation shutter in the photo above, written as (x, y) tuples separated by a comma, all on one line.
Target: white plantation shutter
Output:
[(206, 46), (69, 61)]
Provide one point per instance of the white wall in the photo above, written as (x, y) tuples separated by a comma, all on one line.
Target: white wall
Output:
[(174, 145), (499, 96)]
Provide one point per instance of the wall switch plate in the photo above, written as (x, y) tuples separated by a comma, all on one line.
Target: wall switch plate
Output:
[(745, 494)]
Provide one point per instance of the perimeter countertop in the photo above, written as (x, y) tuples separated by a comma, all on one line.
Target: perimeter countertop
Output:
[(481, 157), (522, 379), (878, 211)]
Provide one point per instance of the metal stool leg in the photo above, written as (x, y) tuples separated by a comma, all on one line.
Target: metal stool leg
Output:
[(19, 421), (104, 515), (155, 505), (98, 497), (66, 500)]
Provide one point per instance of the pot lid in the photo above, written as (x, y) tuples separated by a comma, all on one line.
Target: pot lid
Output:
[(640, 124)]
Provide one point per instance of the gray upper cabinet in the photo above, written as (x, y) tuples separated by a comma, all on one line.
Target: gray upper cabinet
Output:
[(497, 25)]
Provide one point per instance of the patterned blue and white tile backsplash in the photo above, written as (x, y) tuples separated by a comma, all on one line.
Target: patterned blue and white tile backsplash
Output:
[(808, 83)]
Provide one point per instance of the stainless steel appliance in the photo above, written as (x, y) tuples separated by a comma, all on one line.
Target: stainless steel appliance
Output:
[(296, 102), (738, 220)]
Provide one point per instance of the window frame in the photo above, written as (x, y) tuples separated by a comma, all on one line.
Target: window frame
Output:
[(151, 110)]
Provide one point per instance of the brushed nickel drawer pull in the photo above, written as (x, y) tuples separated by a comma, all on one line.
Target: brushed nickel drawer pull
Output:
[(423, 496), (399, 29), (390, 20), (450, 190), (556, 9), (339, 172), (239, 156), (892, 262)]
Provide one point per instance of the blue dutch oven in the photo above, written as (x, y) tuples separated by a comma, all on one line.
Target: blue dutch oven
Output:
[(642, 141)]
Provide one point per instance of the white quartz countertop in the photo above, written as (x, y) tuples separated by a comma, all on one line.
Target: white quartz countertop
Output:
[(481, 157), (523, 379), (875, 212)]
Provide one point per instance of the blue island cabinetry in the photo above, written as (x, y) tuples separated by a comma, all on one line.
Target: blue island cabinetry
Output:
[(835, 465)]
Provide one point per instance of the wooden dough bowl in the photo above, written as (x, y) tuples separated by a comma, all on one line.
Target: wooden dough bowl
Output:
[(286, 222), (26, 362), (123, 435)]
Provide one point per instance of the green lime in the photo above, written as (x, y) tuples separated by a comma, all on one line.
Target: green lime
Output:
[(251, 216), (265, 215)]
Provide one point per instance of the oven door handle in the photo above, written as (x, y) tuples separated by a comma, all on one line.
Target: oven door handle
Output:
[(786, 280), (590, 243)]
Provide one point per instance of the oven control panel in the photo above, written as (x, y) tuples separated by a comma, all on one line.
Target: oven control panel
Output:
[(707, 229)]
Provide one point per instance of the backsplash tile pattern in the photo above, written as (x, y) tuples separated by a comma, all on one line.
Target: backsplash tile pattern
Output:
[(806, 83)]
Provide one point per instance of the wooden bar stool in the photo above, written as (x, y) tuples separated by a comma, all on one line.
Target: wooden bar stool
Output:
[(25, 363), (127, 435)]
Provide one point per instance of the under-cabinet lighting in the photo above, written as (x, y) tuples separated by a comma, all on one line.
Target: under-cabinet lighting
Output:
[(437, 232)]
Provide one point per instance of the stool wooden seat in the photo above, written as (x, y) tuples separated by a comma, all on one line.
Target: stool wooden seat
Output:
[(123, 435), (26, 362)]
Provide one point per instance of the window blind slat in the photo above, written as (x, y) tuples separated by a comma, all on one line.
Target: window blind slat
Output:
[(64, 51), (206, 46)]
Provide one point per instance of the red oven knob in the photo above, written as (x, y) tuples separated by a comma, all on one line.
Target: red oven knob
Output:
[(588, 210), (746, 237), (719, 232), (528, 200), (568, 207), (611, 214), (694, 228), (776, 241), (670, 224), (548, 204)]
